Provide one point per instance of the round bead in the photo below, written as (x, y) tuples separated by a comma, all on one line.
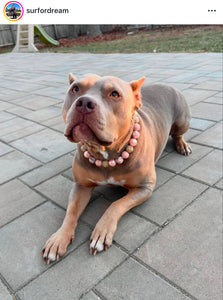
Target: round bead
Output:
[(98, 163), (129, 149), (105, 163), (136, 119), (133, 142), (125, 154), (91, 159), (83, 148), (119, 160), (135, 134), (87, 154), (136, 127), (112, 163)]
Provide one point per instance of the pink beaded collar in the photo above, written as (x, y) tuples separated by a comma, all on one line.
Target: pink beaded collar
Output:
[(125, 153)]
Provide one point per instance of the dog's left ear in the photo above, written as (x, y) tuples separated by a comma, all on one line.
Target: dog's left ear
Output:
[(136, 85), (71, 78)]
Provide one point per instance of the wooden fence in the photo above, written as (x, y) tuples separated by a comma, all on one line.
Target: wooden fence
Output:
[(8, 32)]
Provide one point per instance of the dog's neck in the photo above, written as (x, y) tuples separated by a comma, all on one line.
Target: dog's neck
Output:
[(118, 152)]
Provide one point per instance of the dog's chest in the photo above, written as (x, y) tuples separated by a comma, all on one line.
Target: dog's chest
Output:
[(109, 181)]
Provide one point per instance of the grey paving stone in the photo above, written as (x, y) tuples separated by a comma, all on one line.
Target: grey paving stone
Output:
[(201, 79), (200, 124), (27, 87), (13, 95), (5, 148), (15, 163), (170, 199), (45, 145), (19, 111), (57, 189), (5, 105), (189, 250), (9, 129), (18, 134), (70, 278), (59, 127), (207, 111), (211, 137), (90, 296), (219, 184), (55, 92), (162, 176), (215, 100), (177, 162), (194, 96), (48, 170), (185, 77), (54, 121), (35, 102), (4, 116), (4, 294), (131, 231), (191, 133), (220, 95), (69, 174), (16, 199), (209, 85), (94, 211), (164, 153), (3, 91), (23, 239), (208, 169), (176, 85), (59, 103), (44, 114), (140, 283)]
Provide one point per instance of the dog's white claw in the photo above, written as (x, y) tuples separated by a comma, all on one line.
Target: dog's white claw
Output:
[(51, 257), (183, 151), (96, 246), (188, 150)]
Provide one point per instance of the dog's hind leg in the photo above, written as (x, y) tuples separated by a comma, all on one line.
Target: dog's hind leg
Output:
[(178, 128)]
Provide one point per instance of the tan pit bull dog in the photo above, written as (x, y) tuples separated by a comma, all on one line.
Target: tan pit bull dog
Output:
[(119, 141)]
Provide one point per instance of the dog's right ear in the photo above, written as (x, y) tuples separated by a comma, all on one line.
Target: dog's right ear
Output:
[(71, 78)]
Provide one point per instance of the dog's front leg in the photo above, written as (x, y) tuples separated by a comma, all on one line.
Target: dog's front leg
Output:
[(56, 246), (102, 235)]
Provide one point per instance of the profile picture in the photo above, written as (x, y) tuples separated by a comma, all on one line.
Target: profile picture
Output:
[(13, 11)]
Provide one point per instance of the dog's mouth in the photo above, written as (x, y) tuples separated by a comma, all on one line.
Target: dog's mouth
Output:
[(81, 132)]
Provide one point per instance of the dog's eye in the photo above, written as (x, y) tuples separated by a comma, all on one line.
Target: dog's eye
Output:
[(75, 89), (115, 94)]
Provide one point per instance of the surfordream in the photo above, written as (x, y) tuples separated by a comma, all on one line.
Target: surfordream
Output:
[(47, 10)]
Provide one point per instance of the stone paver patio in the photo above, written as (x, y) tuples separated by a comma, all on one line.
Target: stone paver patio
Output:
[(170, 247)]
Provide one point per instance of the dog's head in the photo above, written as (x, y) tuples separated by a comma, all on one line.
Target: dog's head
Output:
[(98, 110)]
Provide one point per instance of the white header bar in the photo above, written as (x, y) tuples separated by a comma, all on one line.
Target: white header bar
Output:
[(112, 12)]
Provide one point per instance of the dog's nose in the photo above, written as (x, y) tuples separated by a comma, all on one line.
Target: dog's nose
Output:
[(85, 105)]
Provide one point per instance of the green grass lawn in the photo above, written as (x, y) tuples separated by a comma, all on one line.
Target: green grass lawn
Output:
[(174, 39), (186, 39)]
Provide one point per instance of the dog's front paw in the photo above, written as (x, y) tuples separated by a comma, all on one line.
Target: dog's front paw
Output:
[(56, 246), (102, 235)]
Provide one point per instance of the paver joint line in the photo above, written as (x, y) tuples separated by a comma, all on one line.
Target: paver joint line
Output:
[(163, 277)]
